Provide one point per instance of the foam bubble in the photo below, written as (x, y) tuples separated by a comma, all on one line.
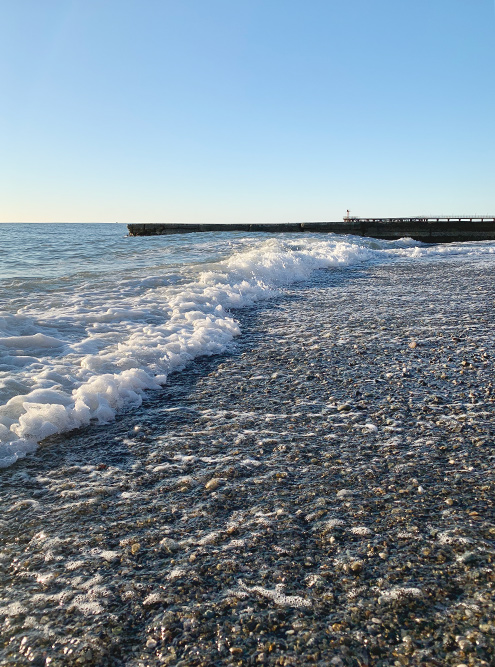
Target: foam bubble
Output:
[(35, 342)]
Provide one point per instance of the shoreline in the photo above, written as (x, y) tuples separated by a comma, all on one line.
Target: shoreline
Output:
[(323, 494)]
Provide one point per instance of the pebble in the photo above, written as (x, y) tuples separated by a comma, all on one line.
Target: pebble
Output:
[(357, 566), (344, 493), (213, 484), (169, 545)]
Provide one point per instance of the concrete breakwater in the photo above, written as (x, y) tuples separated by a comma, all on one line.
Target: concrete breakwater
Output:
[(428, 230)]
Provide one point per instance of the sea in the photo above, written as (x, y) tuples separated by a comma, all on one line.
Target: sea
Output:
[(92, 320)]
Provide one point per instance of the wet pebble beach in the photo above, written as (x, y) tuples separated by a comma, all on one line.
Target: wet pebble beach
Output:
[(321, 494)]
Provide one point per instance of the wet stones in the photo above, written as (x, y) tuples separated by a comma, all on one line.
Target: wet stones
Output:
[(332, 519)]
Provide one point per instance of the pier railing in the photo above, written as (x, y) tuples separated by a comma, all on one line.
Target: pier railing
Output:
[(425, 218)]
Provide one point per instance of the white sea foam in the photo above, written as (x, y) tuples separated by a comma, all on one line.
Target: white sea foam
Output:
[(277, 595), (78, 351), (35, 342)]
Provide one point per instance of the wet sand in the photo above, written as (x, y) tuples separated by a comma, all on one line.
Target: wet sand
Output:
[(320, 495)]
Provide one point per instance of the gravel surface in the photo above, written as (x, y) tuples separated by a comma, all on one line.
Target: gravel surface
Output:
[(321, 495)]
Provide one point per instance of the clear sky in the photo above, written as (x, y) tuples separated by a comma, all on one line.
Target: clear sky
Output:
[(245, 110)]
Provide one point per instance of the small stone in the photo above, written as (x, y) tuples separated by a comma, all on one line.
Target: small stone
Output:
[(357, 566), (449, 501), (135, 547), (413, 344), (344, 407), (169, 545), (213, 484), (151, 643)]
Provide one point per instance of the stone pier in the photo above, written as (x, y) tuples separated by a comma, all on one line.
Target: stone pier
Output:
[(428, 230)]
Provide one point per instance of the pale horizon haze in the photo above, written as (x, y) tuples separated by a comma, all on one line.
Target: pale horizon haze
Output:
[(245, 111)]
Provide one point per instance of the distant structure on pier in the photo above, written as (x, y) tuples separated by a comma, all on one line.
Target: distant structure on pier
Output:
[(423, 218)]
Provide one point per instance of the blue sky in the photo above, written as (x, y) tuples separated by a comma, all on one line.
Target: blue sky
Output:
[(245, 110)]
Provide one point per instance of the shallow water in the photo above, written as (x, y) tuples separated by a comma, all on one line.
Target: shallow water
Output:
[(91, 320), (314, 493)]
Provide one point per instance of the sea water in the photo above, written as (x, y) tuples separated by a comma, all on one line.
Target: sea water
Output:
[(91, 319)]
